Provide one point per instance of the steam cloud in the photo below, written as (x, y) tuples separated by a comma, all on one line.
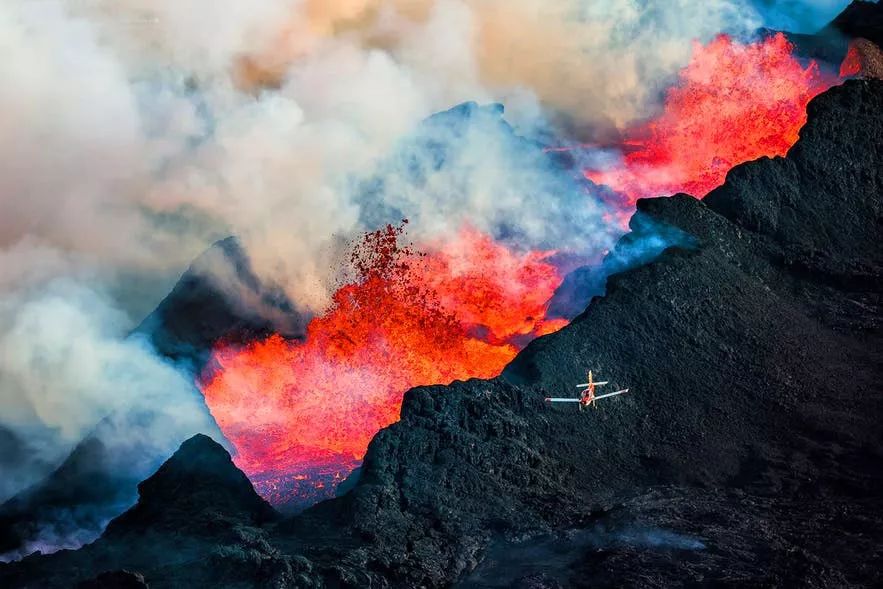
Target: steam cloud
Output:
[(135, 132), (65, 366)]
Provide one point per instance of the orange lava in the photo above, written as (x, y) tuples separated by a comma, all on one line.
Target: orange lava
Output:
[(852, 63), (300, 414), (733, 103)]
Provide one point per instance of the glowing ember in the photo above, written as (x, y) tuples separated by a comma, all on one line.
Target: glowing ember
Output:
[(301, 414), (734, 103), (852, 63)]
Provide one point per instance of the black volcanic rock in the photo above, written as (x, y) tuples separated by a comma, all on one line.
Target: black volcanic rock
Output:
[(824, 202), (218, 298), (115, 580), (196, 486), (859, 20), (197, 507), (748, 451), (754, 360)]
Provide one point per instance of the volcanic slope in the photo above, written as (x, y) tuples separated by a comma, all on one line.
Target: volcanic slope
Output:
[(754, 361), (748, 451), (193, 518)]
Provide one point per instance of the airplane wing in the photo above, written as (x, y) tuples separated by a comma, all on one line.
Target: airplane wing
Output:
[(611, 394), (597, 384), (571, 400)]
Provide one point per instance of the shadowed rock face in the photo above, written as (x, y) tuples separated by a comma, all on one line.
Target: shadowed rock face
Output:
[(218, 298), (198, 484), (835, 159), (753, 428), (115, 580), (860, 20)]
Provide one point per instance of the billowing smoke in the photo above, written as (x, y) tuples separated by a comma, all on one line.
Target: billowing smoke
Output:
[(65, 366), (70, 378), (138, 131), (135, 132)]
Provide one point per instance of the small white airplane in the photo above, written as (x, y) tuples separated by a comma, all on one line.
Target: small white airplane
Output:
[(588, 397)]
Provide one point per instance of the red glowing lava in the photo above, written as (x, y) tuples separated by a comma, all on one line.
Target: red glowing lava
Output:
[(734, 103), (852, 63), (300, 414)]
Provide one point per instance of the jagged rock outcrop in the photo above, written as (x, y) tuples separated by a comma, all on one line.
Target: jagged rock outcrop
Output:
[(861, 19), (218, 298), (195, 487), (197, 507), (858, 28)]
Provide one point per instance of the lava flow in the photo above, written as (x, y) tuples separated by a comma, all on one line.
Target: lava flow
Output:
[(300, 414), (734, 103)]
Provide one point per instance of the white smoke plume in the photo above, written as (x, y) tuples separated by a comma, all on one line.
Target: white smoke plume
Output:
[(137, 131), (66, 365)]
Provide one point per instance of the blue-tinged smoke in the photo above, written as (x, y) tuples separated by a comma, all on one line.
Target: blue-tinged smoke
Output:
[(658, 538), (798, 16)]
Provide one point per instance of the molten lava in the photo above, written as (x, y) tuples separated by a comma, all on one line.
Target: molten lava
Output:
[(733, 103), (300, 414), (852, 63)]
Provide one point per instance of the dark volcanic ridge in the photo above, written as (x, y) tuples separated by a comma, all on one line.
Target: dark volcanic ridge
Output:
[(219, 298), (749, 451), (198, 485), (860, 20)]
